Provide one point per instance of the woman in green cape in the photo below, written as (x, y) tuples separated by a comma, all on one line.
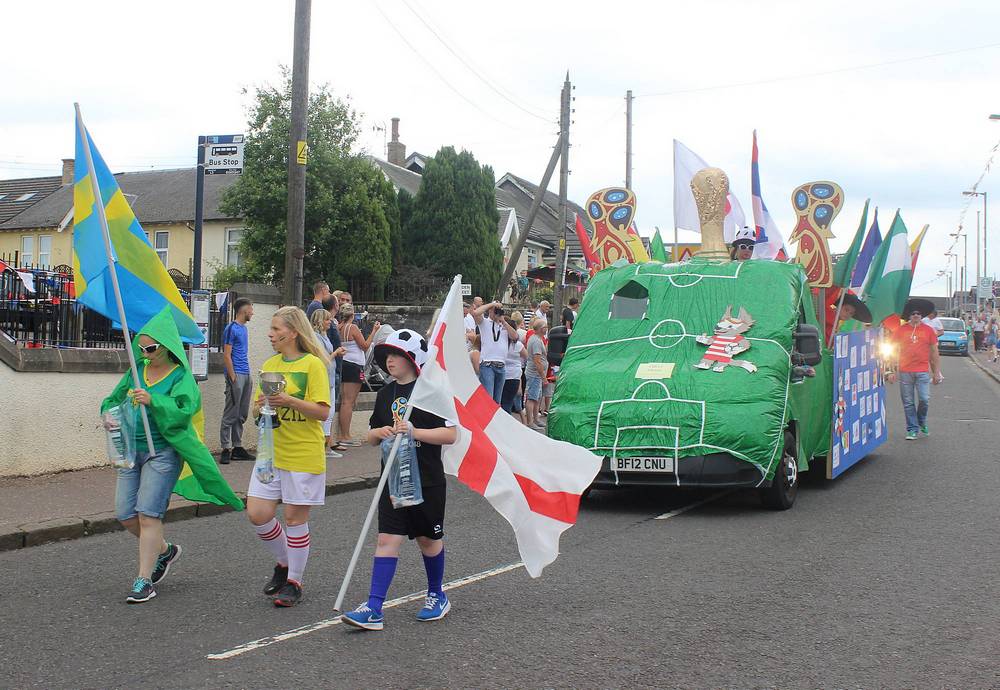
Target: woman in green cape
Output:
[(181, 463)]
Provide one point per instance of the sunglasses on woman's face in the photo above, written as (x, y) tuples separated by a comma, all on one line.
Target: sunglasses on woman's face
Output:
[(150, 349)]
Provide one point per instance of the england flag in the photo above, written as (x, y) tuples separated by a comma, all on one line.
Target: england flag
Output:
[(533, 481)]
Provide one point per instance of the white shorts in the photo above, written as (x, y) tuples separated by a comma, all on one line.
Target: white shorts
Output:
[(293, 488)]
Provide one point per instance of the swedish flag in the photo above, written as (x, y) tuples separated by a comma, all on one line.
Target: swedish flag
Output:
[(146, 288)]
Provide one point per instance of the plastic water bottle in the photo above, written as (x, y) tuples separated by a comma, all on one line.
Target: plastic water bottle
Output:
[(264, 467), (404, 477), (120, 452)]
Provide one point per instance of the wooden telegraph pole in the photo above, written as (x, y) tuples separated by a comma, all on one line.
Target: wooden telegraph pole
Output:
[(560, 276), (297, 157), (628, 139)]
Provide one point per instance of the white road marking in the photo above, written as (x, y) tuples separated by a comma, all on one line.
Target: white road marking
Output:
[(692, 506), (336, 620)]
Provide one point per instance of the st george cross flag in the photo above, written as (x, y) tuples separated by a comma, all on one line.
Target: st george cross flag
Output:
[(533, 481), (770, 243), (686, 164)]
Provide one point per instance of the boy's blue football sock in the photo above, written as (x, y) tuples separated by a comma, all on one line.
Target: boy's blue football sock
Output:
[(382, 571), (434, 565)]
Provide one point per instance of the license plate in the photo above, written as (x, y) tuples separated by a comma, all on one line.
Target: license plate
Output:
[(642, 464)]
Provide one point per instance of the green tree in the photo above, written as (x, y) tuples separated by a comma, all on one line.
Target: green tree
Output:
[(349, 205), (452, 227)]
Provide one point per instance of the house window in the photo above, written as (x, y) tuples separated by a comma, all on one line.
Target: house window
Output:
[(45, 250), (25, 197), (27, 250), (630, 302), (233, 237), (532, 257), (162, 240)]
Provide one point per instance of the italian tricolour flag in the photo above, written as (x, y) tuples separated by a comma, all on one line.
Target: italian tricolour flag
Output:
[(890, 275)]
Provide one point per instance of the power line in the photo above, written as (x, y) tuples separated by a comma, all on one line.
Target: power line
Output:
[(439, 75), (471, 68), (810, 75)]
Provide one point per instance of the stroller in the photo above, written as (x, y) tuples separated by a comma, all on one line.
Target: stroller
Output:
[(375, 378)]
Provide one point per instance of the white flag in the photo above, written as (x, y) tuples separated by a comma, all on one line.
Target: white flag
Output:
[(686, 164), (533, 481)]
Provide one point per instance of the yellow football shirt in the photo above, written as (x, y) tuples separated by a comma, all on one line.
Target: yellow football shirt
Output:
[(299, 444)]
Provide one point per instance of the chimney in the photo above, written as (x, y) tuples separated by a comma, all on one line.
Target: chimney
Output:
[(396, 150), (67, 173)]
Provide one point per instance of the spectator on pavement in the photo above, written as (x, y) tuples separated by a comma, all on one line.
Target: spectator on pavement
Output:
[(569, 313), (919, 367), (535, 371), (979, 332), (512, 399), (239, 384), (321, 322), (495, 335), (522, 285), (170, 397), (299, 458), (991, 339), (543, 311), (332, 305), (517, 321), (320, 292), (353, 370)]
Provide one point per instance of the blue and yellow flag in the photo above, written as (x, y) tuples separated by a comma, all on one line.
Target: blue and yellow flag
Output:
[(146, 288)]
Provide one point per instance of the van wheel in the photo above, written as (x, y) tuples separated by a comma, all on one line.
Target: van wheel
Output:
[(785, 485)]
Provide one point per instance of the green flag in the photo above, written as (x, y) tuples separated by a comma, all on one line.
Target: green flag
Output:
[(845, 267), (890, 275), (657, 251)]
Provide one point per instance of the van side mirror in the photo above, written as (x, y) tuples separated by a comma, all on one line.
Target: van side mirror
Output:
[(558, 340), (808, 344)]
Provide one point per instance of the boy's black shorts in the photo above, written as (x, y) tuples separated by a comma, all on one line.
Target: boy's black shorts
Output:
[(424, 520)]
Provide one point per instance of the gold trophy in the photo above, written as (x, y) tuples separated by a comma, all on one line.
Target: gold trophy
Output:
[(271, 383), (710, 187)]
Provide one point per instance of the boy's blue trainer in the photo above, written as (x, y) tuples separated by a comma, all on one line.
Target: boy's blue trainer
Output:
[(364, 618), (436, 607)]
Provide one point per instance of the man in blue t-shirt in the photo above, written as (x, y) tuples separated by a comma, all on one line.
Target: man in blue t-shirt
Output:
[(239, 385)]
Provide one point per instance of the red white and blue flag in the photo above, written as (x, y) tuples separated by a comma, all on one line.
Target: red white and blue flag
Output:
[(533, 481), (770, 243)]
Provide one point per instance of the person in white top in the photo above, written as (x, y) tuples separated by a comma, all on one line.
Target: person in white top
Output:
[(543, 310), (934, 322), (352, 369), (512, 400), (495, 335), (470, 327)]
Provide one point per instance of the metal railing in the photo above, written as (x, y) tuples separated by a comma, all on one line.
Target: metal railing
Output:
[(38, 308)]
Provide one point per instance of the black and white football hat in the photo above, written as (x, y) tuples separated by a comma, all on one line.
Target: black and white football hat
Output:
[(405, 342)]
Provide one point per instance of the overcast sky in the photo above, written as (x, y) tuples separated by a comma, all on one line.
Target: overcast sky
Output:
[(888, 98)]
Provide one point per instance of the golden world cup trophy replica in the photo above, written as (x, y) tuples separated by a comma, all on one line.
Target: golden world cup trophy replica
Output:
[(710, 187)]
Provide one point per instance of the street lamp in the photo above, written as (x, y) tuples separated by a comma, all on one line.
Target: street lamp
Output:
[(959, 235), (984, 268)]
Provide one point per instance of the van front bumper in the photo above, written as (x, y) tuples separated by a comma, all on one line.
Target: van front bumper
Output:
[(718, 470)]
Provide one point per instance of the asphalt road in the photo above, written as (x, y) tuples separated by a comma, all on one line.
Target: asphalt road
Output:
[(885, 577)]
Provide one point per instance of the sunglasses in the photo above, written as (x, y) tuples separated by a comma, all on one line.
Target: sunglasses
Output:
[(743, 245), (150, 349)]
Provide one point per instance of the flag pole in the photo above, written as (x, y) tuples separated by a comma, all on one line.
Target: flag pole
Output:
[(371, 513), (836, 318), (106, 235)]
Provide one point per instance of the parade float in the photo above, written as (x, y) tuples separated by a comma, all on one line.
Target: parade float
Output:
[(713, 372)]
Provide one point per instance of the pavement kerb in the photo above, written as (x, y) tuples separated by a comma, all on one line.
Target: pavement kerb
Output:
[(61, 529), (993, 375)]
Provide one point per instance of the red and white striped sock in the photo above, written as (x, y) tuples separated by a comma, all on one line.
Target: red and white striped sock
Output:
[(274, 539), (297, 537)]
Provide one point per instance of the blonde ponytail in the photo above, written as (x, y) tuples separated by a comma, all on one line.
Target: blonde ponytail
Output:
[(295, 319)]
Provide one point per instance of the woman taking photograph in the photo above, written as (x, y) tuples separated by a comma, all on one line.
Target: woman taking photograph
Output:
[(321, 321), (172, 402), (353, 369), (299, 452)]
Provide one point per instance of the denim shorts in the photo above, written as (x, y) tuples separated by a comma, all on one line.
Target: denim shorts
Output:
[(533, 388), (146, 488)]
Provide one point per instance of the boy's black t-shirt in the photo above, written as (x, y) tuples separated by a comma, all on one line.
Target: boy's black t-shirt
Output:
[(390, 404)]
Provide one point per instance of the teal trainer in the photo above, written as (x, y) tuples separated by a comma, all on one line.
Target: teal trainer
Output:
[(164, 561), (142, 590), (364, 618), (924, 430), (911, 435), (436, 607)]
